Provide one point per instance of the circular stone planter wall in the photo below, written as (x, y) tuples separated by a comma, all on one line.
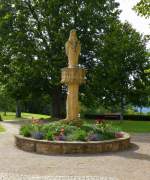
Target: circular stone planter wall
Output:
[(71, 147)]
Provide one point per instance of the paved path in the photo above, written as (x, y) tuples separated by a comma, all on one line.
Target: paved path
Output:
[(133, 164)]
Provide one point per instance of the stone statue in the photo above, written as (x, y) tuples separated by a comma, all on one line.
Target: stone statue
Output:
[(73, 49), (73, 76)]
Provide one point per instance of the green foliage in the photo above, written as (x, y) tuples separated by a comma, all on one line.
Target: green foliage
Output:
[(26, 130), (119, 78), (32, 38), (78, 135), (143, 8), (62, 131), (36, 127), (33, 34), (89, 127), (49, 136), (6, 102)]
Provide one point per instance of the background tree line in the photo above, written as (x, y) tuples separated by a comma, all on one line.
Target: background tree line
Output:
[(32, 38)]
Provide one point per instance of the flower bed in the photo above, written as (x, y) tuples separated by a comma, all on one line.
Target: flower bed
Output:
[(71, 137), (71, 131)]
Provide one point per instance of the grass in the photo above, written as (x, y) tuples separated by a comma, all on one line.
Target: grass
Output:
[(133, 126), (130, 126), (1, 129), (12, 116)]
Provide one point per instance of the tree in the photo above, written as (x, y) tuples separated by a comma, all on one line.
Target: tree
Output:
[(143, 8), (119, 77), (33, 34), (6, 102)]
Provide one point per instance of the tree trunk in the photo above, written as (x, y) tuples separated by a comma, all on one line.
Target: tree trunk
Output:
[(18, 109), (57, 102), (122, 108)]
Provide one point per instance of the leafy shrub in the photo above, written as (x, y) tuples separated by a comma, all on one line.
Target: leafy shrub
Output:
[(69, 129), (108, 135), (26, 130), (89, 127), (78, 135), (49, 136)]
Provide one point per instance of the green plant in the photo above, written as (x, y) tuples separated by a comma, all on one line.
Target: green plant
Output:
[(68, 129), (49, 136), (26, 130), (79, 135), (89, 127), (36, 127), (108, 135)]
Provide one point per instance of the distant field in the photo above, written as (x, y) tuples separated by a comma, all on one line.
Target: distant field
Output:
[(12, 116), (1, 129)]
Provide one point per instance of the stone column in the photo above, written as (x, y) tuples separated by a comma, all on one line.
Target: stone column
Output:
[(72, 104), (73, 76)]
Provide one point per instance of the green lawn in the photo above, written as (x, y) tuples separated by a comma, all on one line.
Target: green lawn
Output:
[(133, 126), (130, 126), (1, 129), (12, 116)]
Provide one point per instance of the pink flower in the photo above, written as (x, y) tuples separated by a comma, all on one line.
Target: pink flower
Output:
[(119, 134)]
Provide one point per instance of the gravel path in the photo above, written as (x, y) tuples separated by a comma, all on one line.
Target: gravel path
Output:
[(133, 164)]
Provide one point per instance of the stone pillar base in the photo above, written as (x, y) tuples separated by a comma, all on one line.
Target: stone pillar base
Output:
[(73, 77)]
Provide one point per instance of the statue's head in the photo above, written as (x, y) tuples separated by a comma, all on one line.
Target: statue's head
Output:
[(73, 35)]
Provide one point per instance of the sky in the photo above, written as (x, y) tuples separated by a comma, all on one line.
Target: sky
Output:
[(141, 24)]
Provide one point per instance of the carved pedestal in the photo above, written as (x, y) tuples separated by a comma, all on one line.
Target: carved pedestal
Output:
[(73, 77)]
